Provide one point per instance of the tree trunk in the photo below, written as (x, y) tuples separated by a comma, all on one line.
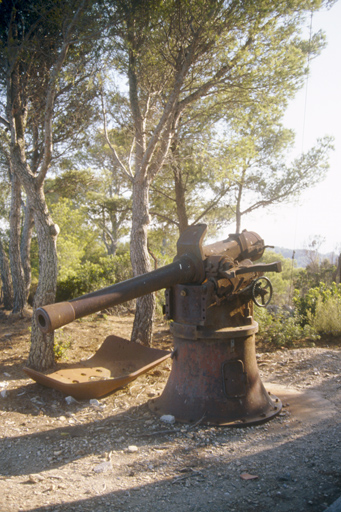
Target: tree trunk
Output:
[(238, 221), (238, 205), (145, 307), (41, 354), (6, 279), (19, 289), (180, 199), (25, 248), (26, 73)]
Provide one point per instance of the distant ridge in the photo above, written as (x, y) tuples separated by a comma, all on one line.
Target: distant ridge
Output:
[(301, 255)]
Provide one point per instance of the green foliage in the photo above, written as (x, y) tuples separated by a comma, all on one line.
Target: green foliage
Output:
[(282, 281), (316, 272), (306, 304), (90, 276), (193, 184), (71, 184), (162, 245), (243, 62), (62, 342), (83, 264), (201, 63), (327, 316), (101, 196), (77, 241), (317, 312), (32, 34), (281, 329), (255, 146), (320, 307)]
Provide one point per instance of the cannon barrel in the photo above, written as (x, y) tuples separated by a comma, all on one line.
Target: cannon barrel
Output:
[(188, 267), (53, 316)]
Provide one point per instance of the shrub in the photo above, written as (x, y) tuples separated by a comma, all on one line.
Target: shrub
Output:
[(282, 281), (281, 329), (90, 276), (326, 318), (306, 305)]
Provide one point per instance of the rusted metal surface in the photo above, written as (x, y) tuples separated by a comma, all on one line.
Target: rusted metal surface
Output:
[(207, 305), (247, 244), (116, 363), (215, 379), (214, 375)]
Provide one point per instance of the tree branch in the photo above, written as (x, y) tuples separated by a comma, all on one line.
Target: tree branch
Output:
[(164, 217), (212, 205), (127, 173), (5, 122), (205, 88), (51, 93), (158, 191), (167, 113)]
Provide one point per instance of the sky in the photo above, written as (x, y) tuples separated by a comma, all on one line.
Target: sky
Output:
[(314, 113)]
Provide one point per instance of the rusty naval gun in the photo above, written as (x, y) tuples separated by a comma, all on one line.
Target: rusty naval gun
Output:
[(210, 294)]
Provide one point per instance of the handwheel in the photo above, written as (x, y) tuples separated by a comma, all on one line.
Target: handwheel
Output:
[(261, 287)]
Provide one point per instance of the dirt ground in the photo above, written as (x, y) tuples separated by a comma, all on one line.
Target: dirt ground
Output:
[(116, 455)]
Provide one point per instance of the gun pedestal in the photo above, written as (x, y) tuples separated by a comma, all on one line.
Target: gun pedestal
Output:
[(214, 377)]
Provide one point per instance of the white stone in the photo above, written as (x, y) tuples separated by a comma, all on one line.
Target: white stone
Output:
[(168, 418)]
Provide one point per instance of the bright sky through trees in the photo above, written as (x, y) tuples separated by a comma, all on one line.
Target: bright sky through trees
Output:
[(318, 211)]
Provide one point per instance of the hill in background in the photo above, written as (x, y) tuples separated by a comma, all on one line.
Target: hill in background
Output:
[(301, 255)]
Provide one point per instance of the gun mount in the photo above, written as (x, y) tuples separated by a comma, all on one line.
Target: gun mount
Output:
[(194, 264), (210, 293)]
